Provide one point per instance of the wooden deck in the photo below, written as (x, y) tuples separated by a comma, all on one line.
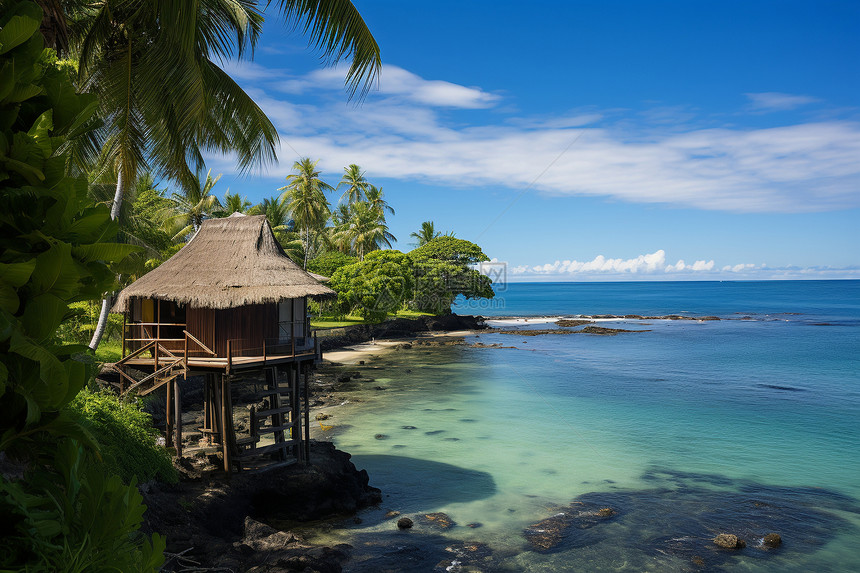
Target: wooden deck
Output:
[(232, 364)]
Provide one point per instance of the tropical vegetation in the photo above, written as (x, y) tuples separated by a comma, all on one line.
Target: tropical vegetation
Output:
[(138, 97)]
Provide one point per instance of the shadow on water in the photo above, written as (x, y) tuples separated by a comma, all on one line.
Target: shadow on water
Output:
[(418, 484), (676, 521), (668, 527)]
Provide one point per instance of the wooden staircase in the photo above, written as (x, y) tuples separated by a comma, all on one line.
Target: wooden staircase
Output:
[(167, 366), (280, 420)]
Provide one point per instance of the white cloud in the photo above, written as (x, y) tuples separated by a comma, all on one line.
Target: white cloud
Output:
[(775, 101), (653, 267), (399, 83), (404, 131)]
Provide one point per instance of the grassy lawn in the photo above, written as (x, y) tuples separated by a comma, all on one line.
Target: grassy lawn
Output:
[(351, 319), (109, 351)]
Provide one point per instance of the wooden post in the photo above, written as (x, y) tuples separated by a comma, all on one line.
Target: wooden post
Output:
[(226, 423), (124, 315), (307, 418), (293, 339), (186, 351), (264, 353), (207, 408), (229, 355), (168, 415), (177, 415), (218, 424)]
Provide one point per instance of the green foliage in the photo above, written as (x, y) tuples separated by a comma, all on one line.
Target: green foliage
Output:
[(67, 513), (379, 284), (81, 321), (327, 263), (127, 440), (52, 239), (450, 249), (73, 516), (443, 270)]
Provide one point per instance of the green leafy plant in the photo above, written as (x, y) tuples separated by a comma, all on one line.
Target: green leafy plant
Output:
[(53, 248), (73, 516), (67, 513), (127, 440)]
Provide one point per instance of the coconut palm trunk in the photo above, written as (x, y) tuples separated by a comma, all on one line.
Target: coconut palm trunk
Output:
[(107, 301)]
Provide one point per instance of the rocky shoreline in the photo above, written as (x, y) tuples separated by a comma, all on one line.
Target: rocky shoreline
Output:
[(249, 521)]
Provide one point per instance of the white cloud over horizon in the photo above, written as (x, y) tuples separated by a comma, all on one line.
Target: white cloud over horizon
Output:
[(653, 266), (405, 131)]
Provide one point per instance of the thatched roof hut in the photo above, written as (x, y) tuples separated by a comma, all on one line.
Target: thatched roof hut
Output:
[(229, 263)]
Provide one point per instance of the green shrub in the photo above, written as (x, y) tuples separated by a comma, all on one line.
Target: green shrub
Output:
[(126, 437), (73, 516)]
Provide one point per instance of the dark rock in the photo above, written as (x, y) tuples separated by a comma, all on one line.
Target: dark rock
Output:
[(548, 533), (404, 523), (569, 322), (474, 525), (698, 561), (606, 331), (409, 427), (772, 540), (381, 437), (321, 416), (729, 541)]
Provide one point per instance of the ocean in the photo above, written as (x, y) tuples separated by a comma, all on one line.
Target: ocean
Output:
[(631, 452)]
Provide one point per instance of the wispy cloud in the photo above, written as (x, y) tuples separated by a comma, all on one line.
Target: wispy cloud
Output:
[(396, 82), (653, 266), (775, 101), (408, 130)]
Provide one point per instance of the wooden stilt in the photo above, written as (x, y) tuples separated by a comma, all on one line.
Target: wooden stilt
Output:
[(168, 416), (207, 409), (226, 423), (177, 415), (218, 422), (307, 457)]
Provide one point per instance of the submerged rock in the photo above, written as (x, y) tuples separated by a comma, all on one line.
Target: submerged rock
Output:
[(440, 520), (729, 541), (404, 523), (548, 533), (772, 540)]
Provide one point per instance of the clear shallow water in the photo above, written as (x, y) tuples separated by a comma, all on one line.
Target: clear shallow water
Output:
[(687, 430)]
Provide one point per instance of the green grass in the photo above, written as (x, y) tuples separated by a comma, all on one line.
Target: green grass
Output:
[(323, 322), (109, 350)]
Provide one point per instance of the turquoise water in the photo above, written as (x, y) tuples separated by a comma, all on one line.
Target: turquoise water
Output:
[(748, 425)]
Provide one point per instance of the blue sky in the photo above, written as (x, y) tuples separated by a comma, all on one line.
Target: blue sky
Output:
[(593, 140)]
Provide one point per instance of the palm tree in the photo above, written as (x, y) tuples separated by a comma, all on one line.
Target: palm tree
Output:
[(304, 194), (374, 196), (233, 203), (355, 183), (163, 100), (426, 233), (366, 230), (194, 203), (335, 237), (278, 214)]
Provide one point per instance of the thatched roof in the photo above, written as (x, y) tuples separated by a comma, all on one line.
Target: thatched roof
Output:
[(230, 262)]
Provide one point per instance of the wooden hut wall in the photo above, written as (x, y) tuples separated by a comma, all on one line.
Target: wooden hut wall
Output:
[(201, 324), (249, 324)]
